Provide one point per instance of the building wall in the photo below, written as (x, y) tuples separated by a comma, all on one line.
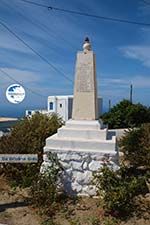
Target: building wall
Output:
[(61, 105)]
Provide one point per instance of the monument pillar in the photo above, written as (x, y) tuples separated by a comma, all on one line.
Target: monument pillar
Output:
[(84, 143), (85, 88)]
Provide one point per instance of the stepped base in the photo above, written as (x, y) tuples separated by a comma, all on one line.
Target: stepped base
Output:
[(82, 147)]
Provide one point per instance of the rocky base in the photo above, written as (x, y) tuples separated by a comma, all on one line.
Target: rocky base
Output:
[(79, 167)]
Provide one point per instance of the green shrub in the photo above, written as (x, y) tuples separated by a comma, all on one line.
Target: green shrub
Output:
[(126, 114), (44, 191), (136, 146), (119, 188), (27, 137)]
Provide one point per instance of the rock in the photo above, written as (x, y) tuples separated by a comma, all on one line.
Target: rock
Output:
[(65, 165), (76, 165), (76, 187), (90, 190), (83, 177), (68, 172), (69, 156), (95, 165), (85, 165)]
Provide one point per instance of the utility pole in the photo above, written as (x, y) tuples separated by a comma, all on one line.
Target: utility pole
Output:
[(131, 93), (109, 105)]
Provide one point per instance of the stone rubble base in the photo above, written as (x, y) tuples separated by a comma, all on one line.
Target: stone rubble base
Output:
[(79, 167)]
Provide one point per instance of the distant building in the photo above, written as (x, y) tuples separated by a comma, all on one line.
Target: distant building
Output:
[(62, 105), (31, 112)]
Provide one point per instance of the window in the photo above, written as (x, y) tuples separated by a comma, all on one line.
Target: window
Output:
[(60, 105), (51, 105)]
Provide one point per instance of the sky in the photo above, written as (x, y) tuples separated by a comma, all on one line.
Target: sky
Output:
[(122, 50)]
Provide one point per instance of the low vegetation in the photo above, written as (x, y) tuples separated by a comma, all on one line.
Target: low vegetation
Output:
[(136, 147), (126, 114), (27, 137), (44, 191), (119, 188)]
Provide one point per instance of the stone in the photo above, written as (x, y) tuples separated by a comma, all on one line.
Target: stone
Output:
[(65, 165), (90, 190), (82, 177), (85, 165), (68, 172), (76, 187), (76, 165), (95, 165), (69, 155)]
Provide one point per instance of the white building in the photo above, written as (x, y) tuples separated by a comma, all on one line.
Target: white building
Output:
[(31, 112), (62, 105)]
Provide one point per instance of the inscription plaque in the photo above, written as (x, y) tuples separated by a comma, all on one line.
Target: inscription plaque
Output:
[(84, 81)]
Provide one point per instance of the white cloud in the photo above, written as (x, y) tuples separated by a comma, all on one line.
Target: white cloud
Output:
[(141, 53), (139, 81), (22, 76)]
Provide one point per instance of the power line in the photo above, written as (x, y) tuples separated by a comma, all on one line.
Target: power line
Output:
[(86, 14), (10, 77), (34, 51), (42, 27)]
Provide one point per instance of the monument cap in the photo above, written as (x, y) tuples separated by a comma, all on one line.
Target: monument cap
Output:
[(86, 45), (87, 40)]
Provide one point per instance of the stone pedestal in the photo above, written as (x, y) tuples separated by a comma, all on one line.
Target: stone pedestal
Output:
[(82, 148)]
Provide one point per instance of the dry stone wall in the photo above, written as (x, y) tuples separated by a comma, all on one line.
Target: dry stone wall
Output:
[(79, 167)]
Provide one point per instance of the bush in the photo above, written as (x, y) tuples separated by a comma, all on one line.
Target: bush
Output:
[(44, 189), (125, 114), (119, 188), (27, 137), (136, 146)]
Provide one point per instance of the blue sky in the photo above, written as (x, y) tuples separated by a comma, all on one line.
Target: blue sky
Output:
[(122, 50)]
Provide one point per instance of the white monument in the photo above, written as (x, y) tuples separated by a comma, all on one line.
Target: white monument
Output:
[(83, 144)]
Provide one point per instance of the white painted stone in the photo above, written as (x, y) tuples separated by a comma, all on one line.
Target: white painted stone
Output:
[(97, 156), (90, 190), (63, 156), (65, 165), (76, 187), (95, 165), (85, 165), (82, 177), (69, 155), (68, 172), (76, 165)]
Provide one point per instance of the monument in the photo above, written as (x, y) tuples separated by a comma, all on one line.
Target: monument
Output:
[(84, 143)]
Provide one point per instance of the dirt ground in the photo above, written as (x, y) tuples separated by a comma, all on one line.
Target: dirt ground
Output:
[(14, 210), (13, 207)]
